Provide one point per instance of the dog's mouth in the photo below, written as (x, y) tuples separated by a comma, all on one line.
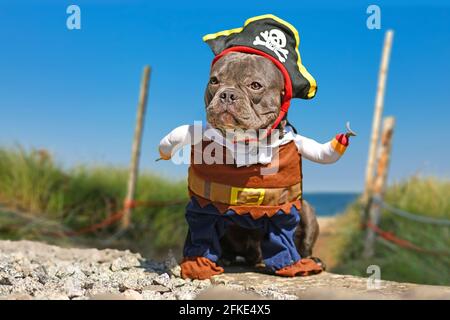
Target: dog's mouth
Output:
[(240, 115), (225, 121), (228, 119)]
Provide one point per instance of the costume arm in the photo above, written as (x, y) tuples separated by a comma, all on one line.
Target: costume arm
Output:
[(322, 153), (177, 139)]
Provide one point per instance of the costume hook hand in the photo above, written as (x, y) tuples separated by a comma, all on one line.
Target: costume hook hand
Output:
[(350, 132)]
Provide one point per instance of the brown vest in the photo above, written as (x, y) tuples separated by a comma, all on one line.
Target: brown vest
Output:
[(288, 174)]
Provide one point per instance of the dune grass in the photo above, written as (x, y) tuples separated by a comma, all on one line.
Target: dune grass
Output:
[(39, 198), (427, 196)]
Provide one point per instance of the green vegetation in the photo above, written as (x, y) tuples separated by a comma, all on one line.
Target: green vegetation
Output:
[(417, 195), (38, 199)]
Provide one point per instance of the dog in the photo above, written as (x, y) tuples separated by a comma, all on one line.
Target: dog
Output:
[(244, 92), (252, 206)]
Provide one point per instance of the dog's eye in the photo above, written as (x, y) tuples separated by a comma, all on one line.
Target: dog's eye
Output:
[(213, 80), (255, 85)]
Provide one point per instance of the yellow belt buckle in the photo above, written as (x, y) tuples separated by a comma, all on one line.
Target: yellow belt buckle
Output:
[(257, 195)]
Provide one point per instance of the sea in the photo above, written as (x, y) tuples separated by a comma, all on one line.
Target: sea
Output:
[(330, 203)]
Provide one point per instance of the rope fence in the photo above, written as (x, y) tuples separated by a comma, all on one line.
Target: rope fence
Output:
[(63, 231), (59, 230), (411, 216), (33, 218), (390, 237)]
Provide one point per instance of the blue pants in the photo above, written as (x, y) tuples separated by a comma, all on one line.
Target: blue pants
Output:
[(207, 225)]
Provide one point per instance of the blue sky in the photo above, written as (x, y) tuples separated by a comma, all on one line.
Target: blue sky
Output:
[(75, 92)]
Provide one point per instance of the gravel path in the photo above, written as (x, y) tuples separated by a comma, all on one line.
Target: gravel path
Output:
[(33, 270)]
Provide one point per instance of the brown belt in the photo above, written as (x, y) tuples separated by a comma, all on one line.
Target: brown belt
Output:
[(237, 196)]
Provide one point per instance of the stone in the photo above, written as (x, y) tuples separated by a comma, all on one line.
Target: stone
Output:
[(201, 283), (162, 279), (171, 264), (41, 274), (5, 281), (151, 295), (33, 270), (178, 282), (125, 262), (73, 288), (157, 288), (51, 296), (168, 296), (18, 297), (132, 295), (185, 295), (224, 293)]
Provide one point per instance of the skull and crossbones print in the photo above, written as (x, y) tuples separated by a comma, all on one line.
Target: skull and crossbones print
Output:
[(274, 40)]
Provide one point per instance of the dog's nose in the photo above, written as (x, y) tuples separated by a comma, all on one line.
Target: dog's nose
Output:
[(228, 96)]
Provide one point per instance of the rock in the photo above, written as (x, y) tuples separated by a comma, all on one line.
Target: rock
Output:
[(81, 298), (428, 293), (126, 261), (73, 288), (41, 274), (106, 296), (26, 285), (185, 295), (146, 279), (50, 270), (132, 295), (151, 295), (201, 283), (5, 291), (5, 281), (33, 270), (171, 264), (51, 296), (157, 288), (127, 281), (168, 296), (162, 279), (18, 297), (175, 271), (178, 282), (223, 293), (88, 285), (66, 270)]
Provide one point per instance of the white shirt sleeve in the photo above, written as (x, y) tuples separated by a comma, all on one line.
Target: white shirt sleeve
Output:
[(178, 138), (324, 153)]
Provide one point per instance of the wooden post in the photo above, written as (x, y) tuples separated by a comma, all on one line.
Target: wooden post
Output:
[(136, 148), (379, 185), (378, 113)]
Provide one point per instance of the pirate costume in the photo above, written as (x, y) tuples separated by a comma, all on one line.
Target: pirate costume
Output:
[(259, 189)]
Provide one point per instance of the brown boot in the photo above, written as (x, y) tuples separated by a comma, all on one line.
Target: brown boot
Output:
[(303, 267), (200, 268)]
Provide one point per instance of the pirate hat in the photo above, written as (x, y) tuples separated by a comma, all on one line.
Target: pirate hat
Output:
[(275, 39)]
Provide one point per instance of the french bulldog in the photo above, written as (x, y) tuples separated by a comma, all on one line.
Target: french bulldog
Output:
[(244, 92), (251, 205)]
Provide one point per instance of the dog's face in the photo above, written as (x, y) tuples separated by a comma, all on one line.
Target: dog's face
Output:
[(244, 92)]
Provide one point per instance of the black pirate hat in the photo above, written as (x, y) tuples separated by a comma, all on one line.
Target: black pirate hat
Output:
[(275, 39)]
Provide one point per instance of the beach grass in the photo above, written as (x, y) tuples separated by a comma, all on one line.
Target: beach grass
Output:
[(420, 195), (38, 199)]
